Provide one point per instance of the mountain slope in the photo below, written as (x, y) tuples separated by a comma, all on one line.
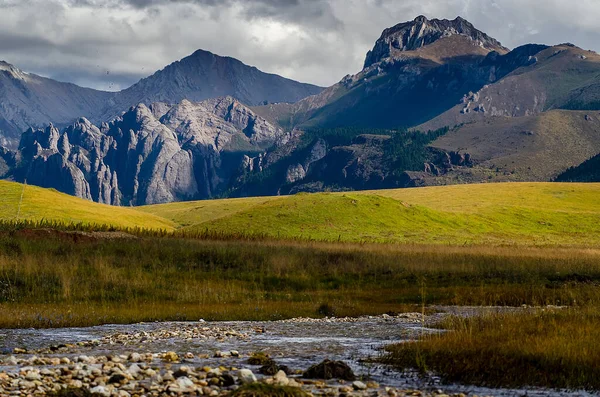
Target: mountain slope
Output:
[(559, 77), (531, 148), (28, 100), (588, 171), (204, 75)]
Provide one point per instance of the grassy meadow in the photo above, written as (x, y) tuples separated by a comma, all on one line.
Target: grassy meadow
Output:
[(547, 348), (20, 203), (55, 279), (524, 214), (537, 214)]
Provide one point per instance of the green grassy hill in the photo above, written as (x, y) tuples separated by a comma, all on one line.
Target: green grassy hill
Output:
[(496, 214), (507, 213), (48, 204)]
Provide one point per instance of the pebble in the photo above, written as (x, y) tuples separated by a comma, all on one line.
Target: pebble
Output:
[(358, 385), (135, 357), (100, 391), (153, 374), (402, 317), (246, 376), (170, 357)]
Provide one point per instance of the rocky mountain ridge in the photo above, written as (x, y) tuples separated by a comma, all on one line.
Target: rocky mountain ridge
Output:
[(413, 35), (28, 100), (142, 159)]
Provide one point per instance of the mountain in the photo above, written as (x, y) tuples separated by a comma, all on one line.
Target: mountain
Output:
[(499, 110), (558, 77), (27, 100), (149, 155), (416, 71), (438, 102), (204, 75)]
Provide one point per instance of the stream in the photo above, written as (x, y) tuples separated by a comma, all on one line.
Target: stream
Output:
[(296, 343)]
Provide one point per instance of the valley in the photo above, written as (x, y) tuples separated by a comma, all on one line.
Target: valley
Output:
[(431, 223), (203, 260)]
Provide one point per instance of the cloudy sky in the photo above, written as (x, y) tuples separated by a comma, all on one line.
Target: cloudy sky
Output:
[(110, 44)]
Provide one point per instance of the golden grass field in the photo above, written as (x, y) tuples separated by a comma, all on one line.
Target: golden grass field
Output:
[(536, 214), (47, 204), (504, 213)]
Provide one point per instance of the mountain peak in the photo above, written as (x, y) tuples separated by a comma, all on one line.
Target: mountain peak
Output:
[(200, 54), (12, 70), (421, 32)]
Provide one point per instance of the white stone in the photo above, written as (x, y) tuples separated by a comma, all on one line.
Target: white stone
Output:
[(134, 370), (358, 385), (281, 379), (185, 384), (246, 376), (101, 391)]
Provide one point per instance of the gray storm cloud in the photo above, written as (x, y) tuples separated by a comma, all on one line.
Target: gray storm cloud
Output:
[(110, 44)]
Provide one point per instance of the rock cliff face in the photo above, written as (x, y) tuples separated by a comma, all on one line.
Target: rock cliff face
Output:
[(413, 35), (141, 159)]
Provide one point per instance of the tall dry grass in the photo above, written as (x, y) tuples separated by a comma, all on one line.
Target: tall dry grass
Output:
[(44, 272), (557, 348)]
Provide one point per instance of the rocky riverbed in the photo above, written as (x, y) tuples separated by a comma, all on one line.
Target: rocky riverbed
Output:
[(214, 359)]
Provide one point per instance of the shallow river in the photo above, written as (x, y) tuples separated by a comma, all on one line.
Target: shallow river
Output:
[(295, 344)]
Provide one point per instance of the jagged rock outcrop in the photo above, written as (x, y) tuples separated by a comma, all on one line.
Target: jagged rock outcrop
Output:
[(140, 159), (411, 36), (297, 172)]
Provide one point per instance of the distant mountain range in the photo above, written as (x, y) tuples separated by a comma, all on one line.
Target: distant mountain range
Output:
[(437, 102), (27, 100)]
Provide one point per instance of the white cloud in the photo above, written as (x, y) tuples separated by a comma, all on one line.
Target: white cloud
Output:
[(110, 44)]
